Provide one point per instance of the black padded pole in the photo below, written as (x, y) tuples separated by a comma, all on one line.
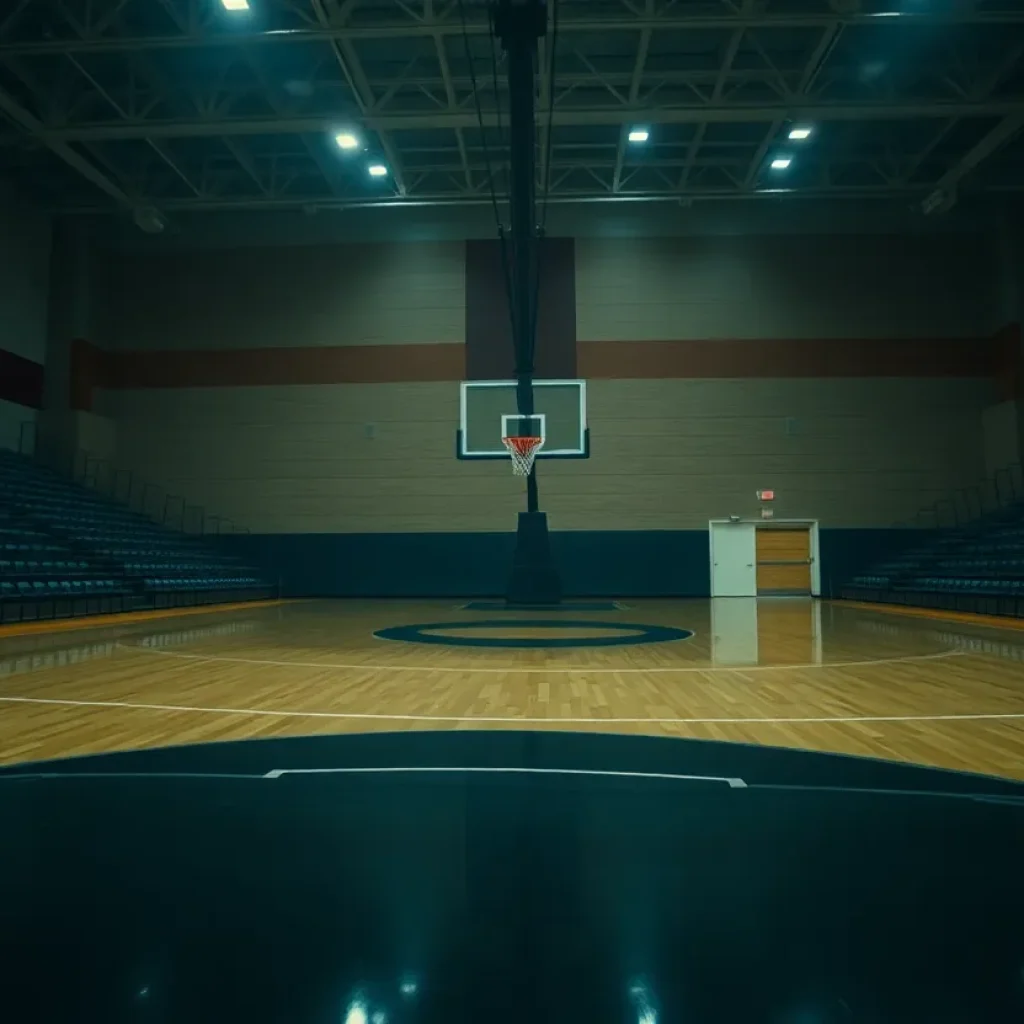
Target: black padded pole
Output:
[(519, 24)]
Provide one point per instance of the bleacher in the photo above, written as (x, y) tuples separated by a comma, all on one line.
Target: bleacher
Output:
[(66, 551), (978, 568)]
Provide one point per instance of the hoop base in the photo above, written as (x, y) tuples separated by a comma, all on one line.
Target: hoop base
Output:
[(534, 579)]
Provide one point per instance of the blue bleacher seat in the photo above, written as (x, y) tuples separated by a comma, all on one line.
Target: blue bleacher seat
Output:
[(979, 567), (61, 543)]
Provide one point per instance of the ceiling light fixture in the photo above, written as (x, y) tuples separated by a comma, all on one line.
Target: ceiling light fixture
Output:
[(377, 170), (346, 140), (235, 5), (780, 163), (799, 134), (639, 135)]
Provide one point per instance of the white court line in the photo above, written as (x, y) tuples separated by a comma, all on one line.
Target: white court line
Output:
[(371, 716), (277, 773), (658, 669)]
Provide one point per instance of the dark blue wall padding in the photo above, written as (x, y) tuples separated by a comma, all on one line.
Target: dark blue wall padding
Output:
[(620, 563)]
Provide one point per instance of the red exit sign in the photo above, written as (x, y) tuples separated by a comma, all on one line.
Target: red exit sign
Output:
[(765, 495)]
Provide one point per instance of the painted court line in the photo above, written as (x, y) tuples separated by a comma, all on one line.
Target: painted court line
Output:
[(371, 716), (277, 773), (554, 669)]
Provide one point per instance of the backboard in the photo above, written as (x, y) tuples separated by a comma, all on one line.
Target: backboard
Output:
[(487, 412)]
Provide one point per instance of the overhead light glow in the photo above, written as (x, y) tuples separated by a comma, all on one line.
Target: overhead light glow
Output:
[(356, 1013), (235, 5), (799, 134), (407, 987), (639, 135), (780, 163), (346, 140), (377, 170)]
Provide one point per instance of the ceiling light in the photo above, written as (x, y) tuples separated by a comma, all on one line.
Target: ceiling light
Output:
[(235, 5), (346, 140), (780, 163), (639, 135), (799, 134), (377, 170)]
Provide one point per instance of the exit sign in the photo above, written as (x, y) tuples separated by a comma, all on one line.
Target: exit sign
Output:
[(765, 495)]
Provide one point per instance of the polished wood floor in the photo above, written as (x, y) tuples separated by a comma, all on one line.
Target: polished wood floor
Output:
[(782, 672)]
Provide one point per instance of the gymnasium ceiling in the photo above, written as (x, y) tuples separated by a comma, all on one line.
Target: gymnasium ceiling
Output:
[(182, 105)]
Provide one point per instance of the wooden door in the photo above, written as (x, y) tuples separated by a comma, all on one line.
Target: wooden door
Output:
[(783, 560)]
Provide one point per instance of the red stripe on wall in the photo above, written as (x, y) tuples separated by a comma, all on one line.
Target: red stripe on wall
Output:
[(996, 357), (803, 357)]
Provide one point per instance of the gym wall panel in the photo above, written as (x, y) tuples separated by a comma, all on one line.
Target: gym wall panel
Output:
[(853, 453), (310, 394), (24, 271), (373, 458), (666, 455), (490, 354), (304, 296), (856, 286)]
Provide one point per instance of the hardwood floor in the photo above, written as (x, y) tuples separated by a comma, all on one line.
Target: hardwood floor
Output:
[(781, 672)]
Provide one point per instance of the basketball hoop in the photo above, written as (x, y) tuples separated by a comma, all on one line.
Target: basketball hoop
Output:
[(523, 451)]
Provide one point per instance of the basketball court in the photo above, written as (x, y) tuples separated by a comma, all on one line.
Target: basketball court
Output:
[(782, 672)]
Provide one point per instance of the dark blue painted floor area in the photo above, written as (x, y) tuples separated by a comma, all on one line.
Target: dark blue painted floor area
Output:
[(283, 881), (464, 634)]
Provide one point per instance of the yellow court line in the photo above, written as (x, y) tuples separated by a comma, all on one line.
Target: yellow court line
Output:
[(126, 618), (968, 618)]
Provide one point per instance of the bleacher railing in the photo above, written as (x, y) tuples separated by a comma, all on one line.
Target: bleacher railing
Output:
[(1002, 490), (124, 486)]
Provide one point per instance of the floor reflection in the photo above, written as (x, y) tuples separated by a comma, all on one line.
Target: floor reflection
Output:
[(772, 631)]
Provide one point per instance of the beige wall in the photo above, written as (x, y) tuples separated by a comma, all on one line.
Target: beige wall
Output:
[(11, 418), (653, 289), (24, 273), (1001, 430), (355, 458), (385, 294), (666, 454)]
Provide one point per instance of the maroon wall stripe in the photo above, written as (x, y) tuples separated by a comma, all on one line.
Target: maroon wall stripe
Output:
[(489, 353), (997, 357), (21, 380), (796, 357)]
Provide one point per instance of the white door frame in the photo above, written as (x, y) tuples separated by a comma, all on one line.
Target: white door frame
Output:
[(812, 524)]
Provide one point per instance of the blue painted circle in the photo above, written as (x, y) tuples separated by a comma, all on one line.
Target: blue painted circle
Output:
[(640, 633)]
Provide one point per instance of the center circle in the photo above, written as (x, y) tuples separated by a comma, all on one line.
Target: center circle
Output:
[(631, 633)]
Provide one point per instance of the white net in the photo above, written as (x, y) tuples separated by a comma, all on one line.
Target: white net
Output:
[(523, 451)]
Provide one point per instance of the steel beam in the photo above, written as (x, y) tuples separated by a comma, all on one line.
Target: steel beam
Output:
[(619, 115), (35, 128), (117, 108), (944, 193), (819, 56), (668, 22), (352, 69), (750, 178), (639, 63), (327, 201), (449, 92)]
